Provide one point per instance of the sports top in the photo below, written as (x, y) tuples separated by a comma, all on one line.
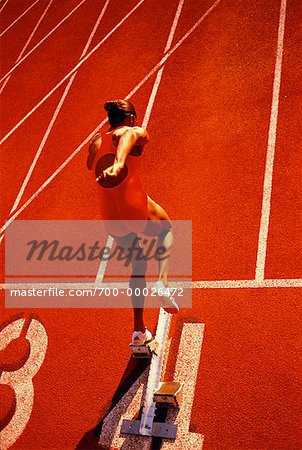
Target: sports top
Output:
[(126, 201)]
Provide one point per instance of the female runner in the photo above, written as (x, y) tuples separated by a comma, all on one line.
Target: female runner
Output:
[(115, 159)]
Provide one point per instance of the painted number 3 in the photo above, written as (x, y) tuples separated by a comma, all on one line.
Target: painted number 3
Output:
[(16, 377)]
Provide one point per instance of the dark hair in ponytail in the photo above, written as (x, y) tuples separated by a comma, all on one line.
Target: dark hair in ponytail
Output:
[(118, 110)]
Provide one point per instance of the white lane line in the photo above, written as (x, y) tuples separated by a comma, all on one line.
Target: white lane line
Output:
[(160, 72), (268, 177), (186, 372), (97, 128), (148, 111), (172, 50), (3, 6), (203, 284), (28, 41), (42, 40), (249, 284), (18, 18), (43, 100), (56, 113), (103, 265)]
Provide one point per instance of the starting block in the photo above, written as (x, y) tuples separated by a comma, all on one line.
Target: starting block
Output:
[(168, 395), (156, 392), (144, 351)]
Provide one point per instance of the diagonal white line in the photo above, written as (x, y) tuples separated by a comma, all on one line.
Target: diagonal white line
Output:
[(96, 25), (271, 146), (70, 73), (18, 18), (28, 41), (19, 61), (41, 41), (170, 52), (160, 72), (56, 113), (3, 6), (100, 125)]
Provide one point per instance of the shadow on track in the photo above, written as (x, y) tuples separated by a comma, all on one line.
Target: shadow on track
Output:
[(134, 369)]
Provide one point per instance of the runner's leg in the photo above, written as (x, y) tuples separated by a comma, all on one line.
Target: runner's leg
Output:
[(137, 280), (159, 224)]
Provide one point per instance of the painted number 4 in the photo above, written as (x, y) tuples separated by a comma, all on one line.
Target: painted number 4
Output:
[(186, 370)]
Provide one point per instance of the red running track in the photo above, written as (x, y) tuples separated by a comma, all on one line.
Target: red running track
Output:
[(205, 162)]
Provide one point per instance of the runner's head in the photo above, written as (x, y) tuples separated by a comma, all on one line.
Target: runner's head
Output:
[(120, 112)]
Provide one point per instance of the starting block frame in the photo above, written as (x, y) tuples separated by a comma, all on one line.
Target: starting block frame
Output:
[(146, 425), (159, 429)]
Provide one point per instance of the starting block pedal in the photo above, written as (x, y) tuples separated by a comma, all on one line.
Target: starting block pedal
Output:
[(144, 351), (168, 395)]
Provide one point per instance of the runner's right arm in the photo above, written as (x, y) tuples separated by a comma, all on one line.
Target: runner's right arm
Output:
[(94, 147), (132, 137)]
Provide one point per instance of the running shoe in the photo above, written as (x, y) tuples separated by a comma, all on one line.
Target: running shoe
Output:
[(140, 338), (164, 294)]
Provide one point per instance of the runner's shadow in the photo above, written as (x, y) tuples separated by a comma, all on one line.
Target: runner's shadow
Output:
[(134, 369)]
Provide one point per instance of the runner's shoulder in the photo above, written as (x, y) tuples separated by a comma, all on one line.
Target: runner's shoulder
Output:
[(135, 129), (139, 132)]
